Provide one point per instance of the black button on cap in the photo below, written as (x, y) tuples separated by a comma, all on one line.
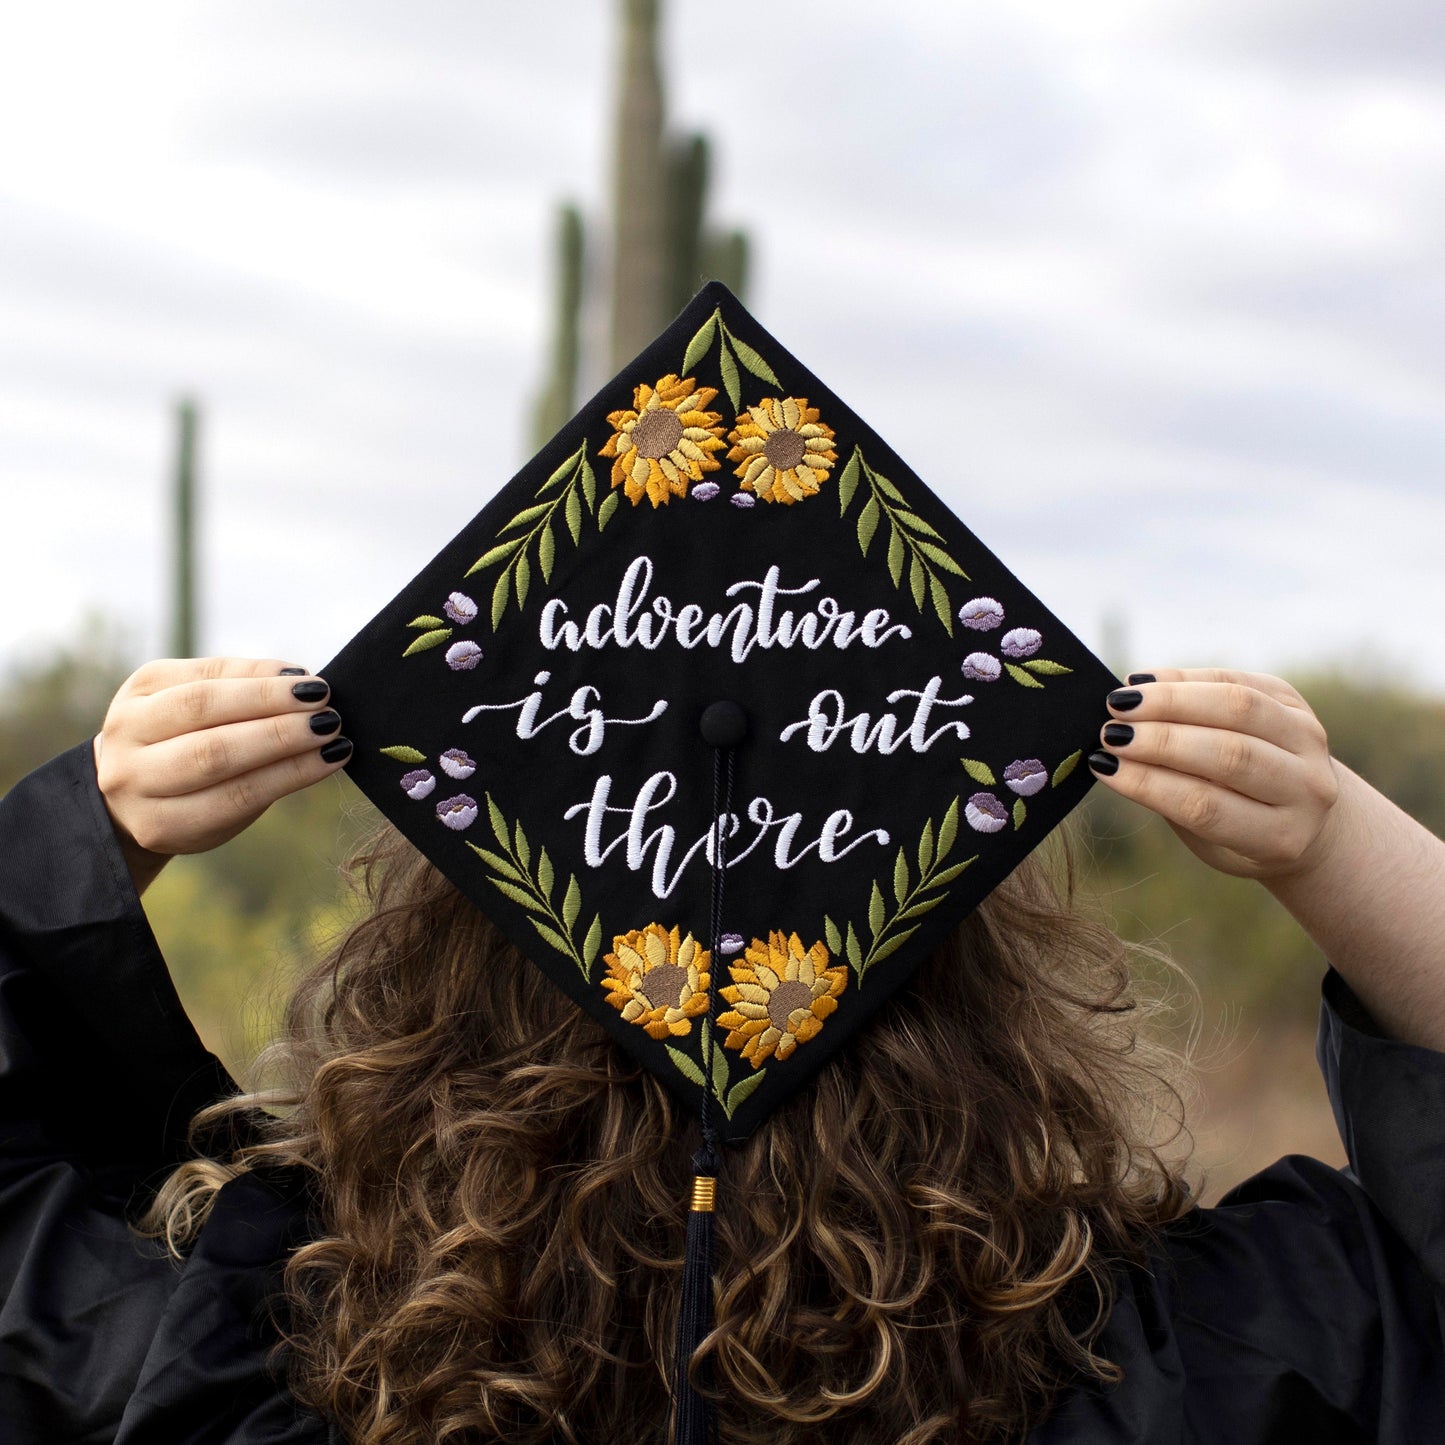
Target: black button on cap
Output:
[(723, 725)]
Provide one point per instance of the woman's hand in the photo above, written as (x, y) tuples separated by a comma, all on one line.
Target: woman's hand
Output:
[(191, 752), (1235, 762), (1238, 765)]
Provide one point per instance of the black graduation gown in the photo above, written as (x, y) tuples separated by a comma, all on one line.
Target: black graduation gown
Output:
[(1304, 1308)]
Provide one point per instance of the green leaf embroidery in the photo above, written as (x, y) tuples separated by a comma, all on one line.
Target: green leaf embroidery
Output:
[(979, 772), (528, 514), (502, 865), (550, 935), (832, 937), (605, 511), (900, 878), (731, 380), (589, 483), (592, 943), (916, 910), (511, 874), (500, 594), (925, 847), (1046, 668), (574, 522), (875, 911), (522, 577), (848, 482), (949, 874), (427, 641), (685, 1066), (426, 620), (948, 830), (753, 361), (854, 951), (701, 340), (910, 539), (1019, 675), (719, 1072), (557, 476), (867, 524), (1020, 813), (402, 754), (547, 549), (1065, 768), (496, 554), (742, 1091), (893, 944)]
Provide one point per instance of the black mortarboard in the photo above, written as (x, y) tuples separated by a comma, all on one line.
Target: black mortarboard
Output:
[(717, 592)]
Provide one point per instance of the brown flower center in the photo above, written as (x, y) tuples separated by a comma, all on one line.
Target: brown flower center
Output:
[(785, 998), (784, 450), (663, 986), (657, 432)]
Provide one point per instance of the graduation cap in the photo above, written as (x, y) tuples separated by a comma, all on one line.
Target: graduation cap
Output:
[(726, 720)]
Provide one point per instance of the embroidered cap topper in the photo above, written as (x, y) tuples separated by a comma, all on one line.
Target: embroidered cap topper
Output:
[(717, 619)]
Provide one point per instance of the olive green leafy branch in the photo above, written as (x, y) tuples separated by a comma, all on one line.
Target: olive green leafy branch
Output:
[(912, 899), (981, 773), (730, 352), (571, 488), (434, 632), (532, 889), (910, 538), (729, 1095), (1029, 673)]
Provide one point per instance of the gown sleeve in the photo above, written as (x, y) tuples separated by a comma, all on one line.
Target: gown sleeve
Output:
[(1309, 1304), (100, 1073)]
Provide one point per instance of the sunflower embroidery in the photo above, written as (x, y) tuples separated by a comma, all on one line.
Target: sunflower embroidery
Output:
[(657, 980), (781, 993), (783, 452), (665, 443)]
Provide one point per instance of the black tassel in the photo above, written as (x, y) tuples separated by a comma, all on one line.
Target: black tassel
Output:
[(693, 1413)]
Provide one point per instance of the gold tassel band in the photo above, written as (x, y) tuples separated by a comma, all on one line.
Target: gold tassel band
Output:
[(704, 1191)]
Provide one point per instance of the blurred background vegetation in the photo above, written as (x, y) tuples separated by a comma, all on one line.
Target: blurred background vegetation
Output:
[(238, 923)]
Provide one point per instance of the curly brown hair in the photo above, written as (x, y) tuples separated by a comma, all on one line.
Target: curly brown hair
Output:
[(921, 1247)]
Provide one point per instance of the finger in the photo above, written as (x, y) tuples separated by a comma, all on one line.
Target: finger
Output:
[(1234, 706), (1275, 687), (1247, 765), (196, 761), (204, 819), (172, 671), (189, 707), (1206, 810)]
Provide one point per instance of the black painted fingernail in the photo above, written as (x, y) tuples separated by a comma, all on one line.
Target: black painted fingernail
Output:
[(336, 751), (300, 672), (1141, 677), (1121, 700), (1116, 735), (310, 691), (328, 720), (1101, 762)]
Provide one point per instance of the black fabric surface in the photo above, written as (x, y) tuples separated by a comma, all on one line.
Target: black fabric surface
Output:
[(1306, 1307)]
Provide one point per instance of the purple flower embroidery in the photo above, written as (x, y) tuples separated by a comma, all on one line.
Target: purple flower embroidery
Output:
[(463, 656), (731, 943), (460, 608), (1026, 776), (705, 491), (1021, 642), (456, 764), (980, 667), (743, 499), (983, 614), (458, 813), (985, 813), (417, 784)]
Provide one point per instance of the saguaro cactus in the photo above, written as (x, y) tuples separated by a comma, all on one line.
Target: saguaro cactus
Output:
[(184, 638), (559, 396)]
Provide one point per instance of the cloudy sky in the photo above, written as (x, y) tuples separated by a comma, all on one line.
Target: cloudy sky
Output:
[(1152, 295)]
